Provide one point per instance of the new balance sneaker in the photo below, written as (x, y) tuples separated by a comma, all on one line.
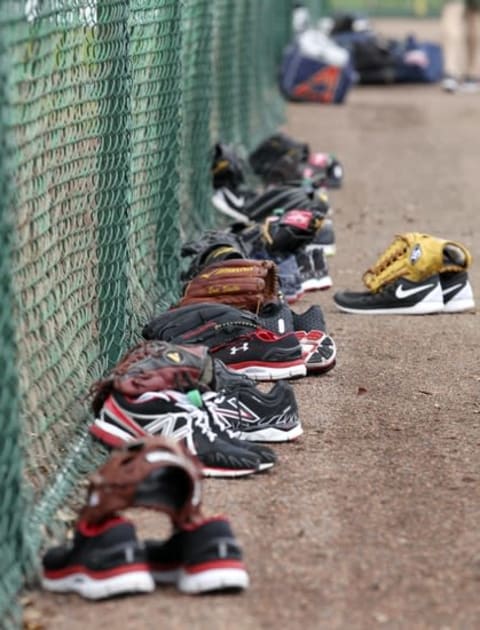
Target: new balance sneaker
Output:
[(102, 561), (325, 238), (313, 268), (202, 558), (457, 292), (320, 351), (400, 297), (252, 415), (173, 415), (263, 355)]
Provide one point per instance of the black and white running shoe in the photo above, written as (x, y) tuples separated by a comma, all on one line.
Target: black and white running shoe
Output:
[(252, 415), (400, 297), (313, 268), (230, 204), (326, 239), (201, 558), (173, 415), (457, 292), (102, 561)]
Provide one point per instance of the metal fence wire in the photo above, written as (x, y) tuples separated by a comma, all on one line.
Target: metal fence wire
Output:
[(109, 109)]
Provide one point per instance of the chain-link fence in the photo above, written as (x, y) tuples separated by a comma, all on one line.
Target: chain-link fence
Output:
[(109, 109)]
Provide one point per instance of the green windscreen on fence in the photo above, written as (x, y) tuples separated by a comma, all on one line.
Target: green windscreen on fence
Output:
[(110, 109)]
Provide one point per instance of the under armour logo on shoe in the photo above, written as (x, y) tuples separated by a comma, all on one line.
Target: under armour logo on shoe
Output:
[(242, 348)]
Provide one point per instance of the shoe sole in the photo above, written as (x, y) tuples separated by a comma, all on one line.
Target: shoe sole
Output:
[(328, 250), (459, 306), (272, 435), (271, 373), (114, 437), (213, 580), (101, 588), (317, 285), (427, 308), (230, 473), (321, 368)]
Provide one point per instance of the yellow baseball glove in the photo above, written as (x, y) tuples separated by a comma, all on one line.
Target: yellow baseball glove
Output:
[(416, 256)]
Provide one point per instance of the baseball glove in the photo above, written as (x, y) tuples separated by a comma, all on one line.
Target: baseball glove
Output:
[(279, 158), (154, 473), (213, 246), (290, 231), (155, 366), (416, 256), (245, 284), (210, 324)]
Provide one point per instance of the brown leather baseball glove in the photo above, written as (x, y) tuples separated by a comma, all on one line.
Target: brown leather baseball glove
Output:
[(246, 284), (155, 365), (154, 473)]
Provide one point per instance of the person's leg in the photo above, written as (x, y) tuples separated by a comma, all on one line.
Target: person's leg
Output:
[(472, 12), (453, 37)]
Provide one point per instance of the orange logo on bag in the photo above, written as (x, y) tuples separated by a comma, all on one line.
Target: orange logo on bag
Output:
[(320, 86)]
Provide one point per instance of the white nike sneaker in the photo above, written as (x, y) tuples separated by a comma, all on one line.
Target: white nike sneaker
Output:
[(230, 204), (400, 297), (457, 292)]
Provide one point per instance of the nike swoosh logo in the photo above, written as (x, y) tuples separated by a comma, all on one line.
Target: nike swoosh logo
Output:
[(452, 288), (238, 202), (401, 293)]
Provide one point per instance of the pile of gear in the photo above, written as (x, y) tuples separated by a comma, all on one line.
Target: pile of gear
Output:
[(105, 557), (186, 402), (190, 401), (279, 207)]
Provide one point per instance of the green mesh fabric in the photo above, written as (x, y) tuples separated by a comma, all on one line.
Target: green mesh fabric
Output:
[(109, 111)]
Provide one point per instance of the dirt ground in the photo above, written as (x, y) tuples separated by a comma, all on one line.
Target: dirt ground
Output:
[(371, 519)]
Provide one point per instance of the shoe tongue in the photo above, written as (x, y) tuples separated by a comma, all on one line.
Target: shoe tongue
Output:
[(452, 254)]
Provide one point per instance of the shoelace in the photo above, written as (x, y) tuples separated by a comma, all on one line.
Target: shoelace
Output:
[(200, 417), (211, 399), (202, 422)]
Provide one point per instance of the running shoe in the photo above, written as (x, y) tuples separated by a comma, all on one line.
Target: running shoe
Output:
[(289, 278), (201, 558), (326, 239), (313, 268), (399, 297), (280, 318), (457, 292), (320, 351), (173, 415), (249, 414), (103, 560), (263, 355)]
